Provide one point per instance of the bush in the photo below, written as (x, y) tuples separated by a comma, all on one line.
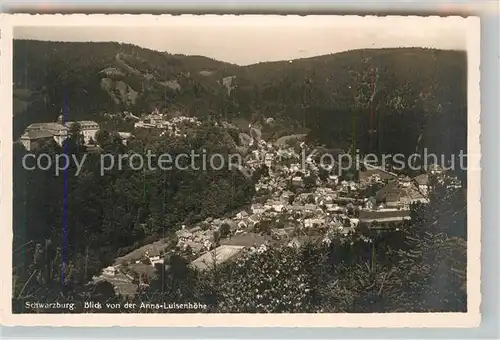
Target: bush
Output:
[(224, 230)]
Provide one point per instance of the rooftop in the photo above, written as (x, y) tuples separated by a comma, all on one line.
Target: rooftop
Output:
[(246, 240), (153, 249), (124, 135), (217, 256), (46, 126), (393, 191), (83, 123), (123, 284), (37, 134), (422, 179), (365, 175), (372, 169), (365, 215)]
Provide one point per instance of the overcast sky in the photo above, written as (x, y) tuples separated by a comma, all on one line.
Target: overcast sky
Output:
[(247, 40)]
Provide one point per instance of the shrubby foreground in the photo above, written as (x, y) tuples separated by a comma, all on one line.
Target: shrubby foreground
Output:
[(419, 268)]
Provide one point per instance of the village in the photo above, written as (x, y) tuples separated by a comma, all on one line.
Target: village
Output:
[(38, 133), (292, 204)]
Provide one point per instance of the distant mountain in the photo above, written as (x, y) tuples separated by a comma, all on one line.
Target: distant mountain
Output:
[(412, 97), (108, 77)]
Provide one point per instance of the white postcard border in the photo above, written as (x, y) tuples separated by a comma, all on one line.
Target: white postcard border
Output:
[(470, 319)]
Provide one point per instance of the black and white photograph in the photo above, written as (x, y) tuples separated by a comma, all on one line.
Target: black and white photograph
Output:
[(246, 165)]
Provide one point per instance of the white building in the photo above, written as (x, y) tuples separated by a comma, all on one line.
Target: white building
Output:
[(58, 131), (31, 139), (435, 169), (125, 136), (144, 125), (258, 209), (88, 129), (334, 179), (314, 222), (422, 182), (268, 160), (110, 271), (297, 181)]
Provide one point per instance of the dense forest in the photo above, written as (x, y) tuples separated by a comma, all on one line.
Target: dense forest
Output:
[(110, 213), (416, 98)]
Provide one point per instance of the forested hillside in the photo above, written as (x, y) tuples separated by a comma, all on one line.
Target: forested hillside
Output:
[(68, 227), (415, 95), (102, 216)]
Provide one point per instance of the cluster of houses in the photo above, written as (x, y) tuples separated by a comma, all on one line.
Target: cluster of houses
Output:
[(330, 203), (169, 126), (37, 134), (281, 195), (58, 131), (292, 208), (128, 277)]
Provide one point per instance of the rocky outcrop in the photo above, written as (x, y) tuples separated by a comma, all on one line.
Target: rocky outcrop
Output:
[(206, 73), (228, 82), (112, 71), (172, 84), (119, 91)]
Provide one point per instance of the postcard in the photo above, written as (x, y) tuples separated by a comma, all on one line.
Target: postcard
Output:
[(252, 170)]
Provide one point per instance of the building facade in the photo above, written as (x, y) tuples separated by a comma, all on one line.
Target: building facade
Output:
[(58, 131), (88, 129), (32, 139)]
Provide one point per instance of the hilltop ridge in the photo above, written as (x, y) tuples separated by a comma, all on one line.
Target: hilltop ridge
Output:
[(419, 91)]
